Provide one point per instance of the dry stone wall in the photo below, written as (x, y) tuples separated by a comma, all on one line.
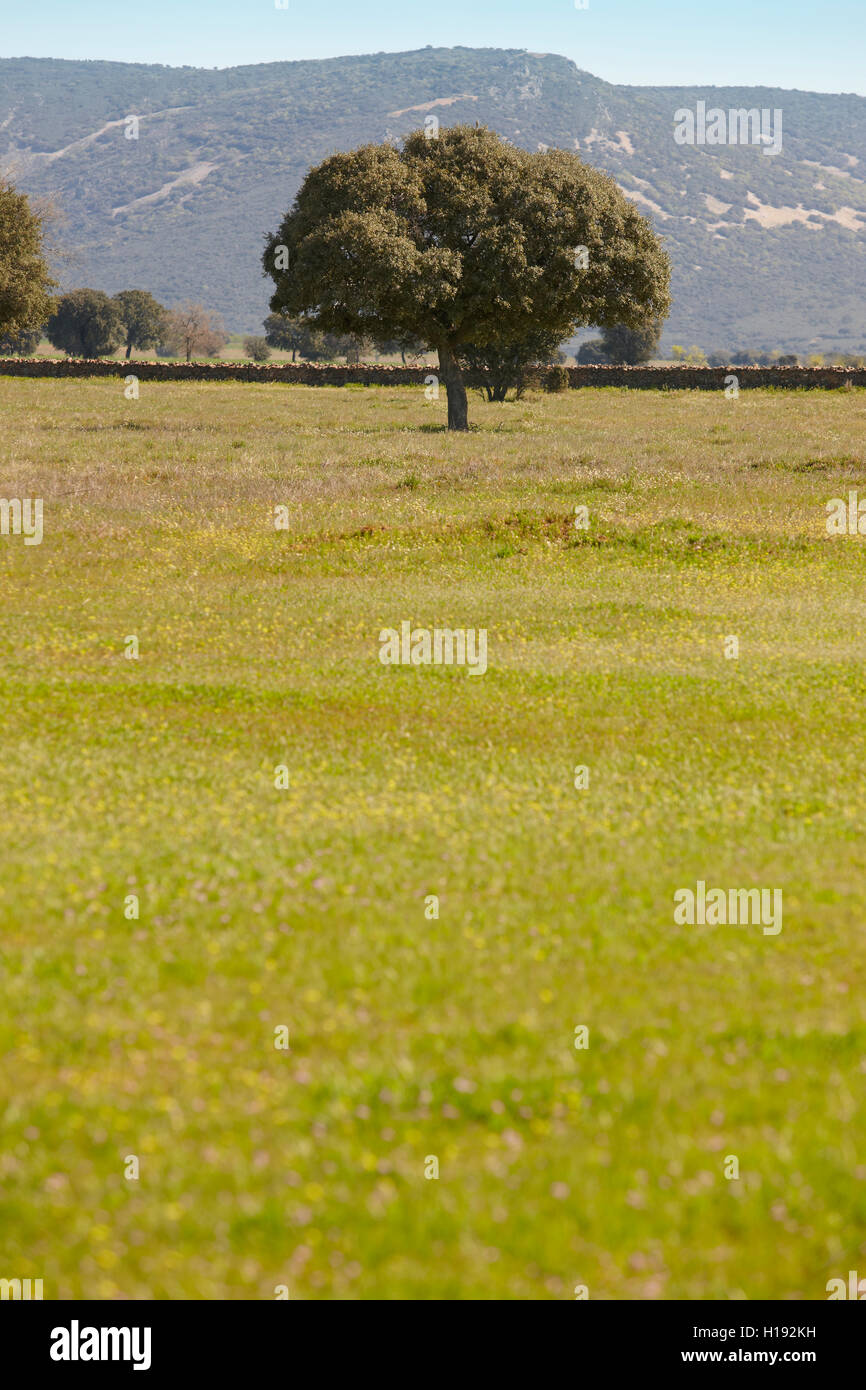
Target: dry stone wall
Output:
[(676, 378)]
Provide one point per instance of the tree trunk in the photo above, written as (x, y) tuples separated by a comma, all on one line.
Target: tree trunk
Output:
[(458, 404), (128, 351)]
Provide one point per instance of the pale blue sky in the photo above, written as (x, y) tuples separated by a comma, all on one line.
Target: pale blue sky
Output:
[(816, 45)]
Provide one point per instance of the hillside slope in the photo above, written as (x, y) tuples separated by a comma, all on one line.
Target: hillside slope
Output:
[(767, 251)]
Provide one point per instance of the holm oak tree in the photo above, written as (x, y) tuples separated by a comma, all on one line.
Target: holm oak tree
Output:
[(25, 282), (143, 318), (85, 323), (463, 239)]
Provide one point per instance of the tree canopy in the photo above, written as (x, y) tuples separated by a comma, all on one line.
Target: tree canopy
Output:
[(298, 335), (25, 282), (623, 345), (85, 323), (464, 239), (631, 345), (21, 344), (143, 317)]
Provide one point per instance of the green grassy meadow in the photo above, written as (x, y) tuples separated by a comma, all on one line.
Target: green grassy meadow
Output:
[(304, 907)]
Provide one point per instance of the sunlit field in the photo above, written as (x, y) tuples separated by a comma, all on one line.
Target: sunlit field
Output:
[(149, 784)]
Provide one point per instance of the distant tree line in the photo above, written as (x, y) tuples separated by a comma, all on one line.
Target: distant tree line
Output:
[(291, 333), (623, 346), (89, 323), (83, 322)]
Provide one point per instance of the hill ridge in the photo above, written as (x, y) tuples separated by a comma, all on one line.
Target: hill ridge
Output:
[(767, 252)]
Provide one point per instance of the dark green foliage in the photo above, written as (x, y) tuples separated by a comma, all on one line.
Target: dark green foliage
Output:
[(86, 323), (143, 318), (288, 333), (506, 366), (22, 344), (356, 349), (629, 346), (298, 334), (592, 353), (556, 380), (751, 359), (25, 284), (464, 240), (407, 347)]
